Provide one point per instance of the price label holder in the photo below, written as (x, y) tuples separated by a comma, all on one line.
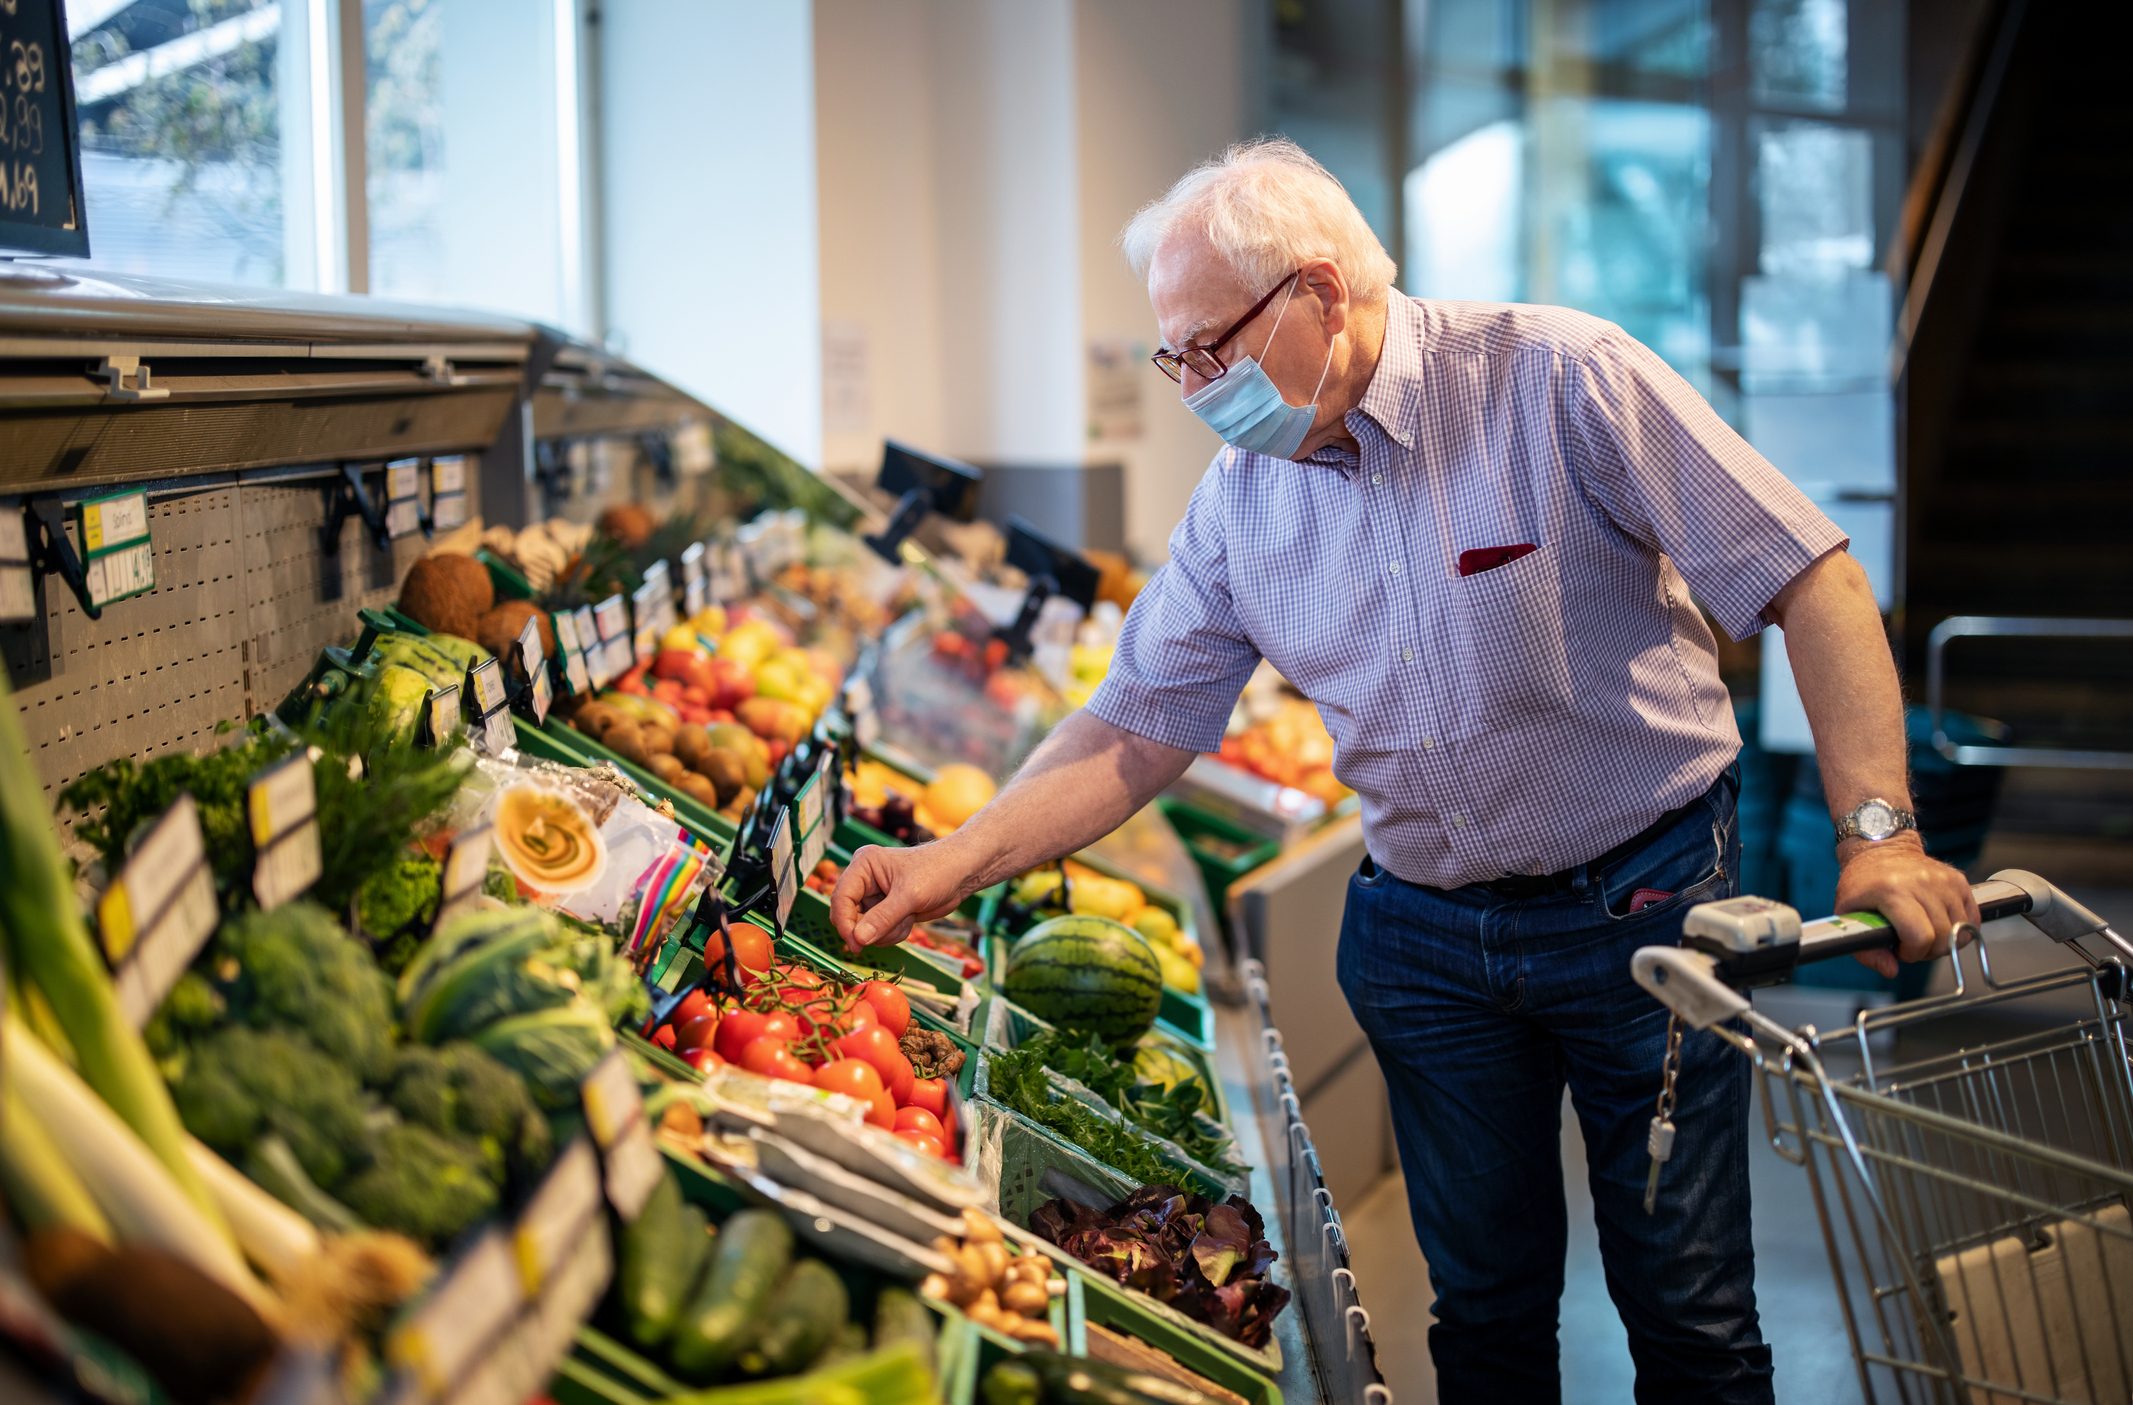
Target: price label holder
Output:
[(466, 867), (614, 1114), (448, 492), (557, 1215), (695, 586), (440, 716), (644, 610), (18, 583), (612, 629), (659, 586), (159, 911), (488, 705), (281, 804), (118, 560), (576, 676), (403, 498), (784, 880), (467, 1310), (536, 685)]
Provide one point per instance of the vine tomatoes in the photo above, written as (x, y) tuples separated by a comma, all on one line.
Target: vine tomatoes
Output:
[(743, 1027), (752, 949), (774, 1058), (899, 1077), (883, 1112), (890, 1004), (930, 1094), (697, 1033), (917, 1119), (851, 1077), (926, 1142), (875, 1045)]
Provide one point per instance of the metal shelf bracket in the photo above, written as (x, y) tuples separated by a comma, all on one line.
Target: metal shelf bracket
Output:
[(51, 554)]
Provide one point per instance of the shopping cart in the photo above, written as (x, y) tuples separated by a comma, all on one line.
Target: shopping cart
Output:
[(1973, 1186)]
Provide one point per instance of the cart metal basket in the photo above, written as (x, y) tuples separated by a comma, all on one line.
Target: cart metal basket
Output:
[(1975, 1187)]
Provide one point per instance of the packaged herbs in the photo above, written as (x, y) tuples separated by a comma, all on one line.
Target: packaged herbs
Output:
[(1174, 1109)]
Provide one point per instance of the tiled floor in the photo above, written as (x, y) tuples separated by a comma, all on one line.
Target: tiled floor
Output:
[(1800, 1318)]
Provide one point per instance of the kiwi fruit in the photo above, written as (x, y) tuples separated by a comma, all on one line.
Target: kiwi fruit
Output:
[(723, 769)]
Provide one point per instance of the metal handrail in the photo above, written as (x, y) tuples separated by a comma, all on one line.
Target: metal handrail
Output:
[(1984, 97), (2014, 627)]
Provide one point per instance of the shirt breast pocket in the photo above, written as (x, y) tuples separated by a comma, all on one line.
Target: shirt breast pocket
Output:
[(1515, 660)]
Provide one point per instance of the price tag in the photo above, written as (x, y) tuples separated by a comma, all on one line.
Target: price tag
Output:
[(695, 588), (448, 510), (634, 1170), (489, 706), (282, 805), (440, 715), (18, 586), (159, 911), (108, 523), (403, 518), (612, 617), (120, 574), (572, 657), (555, 1217), (403, 479), (466, 867), (659, 586), (782, 875), (645, 611), (539, 689), (612, 1099), (809, 805), (460, 1318), (448, 475), (619, 656)]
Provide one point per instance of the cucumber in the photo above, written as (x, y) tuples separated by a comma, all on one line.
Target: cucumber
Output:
[(850, 1345), (754, 1248), (663, 1254), (804, 1314), (899, 1316), (1100, 1383), (1011, 1383)]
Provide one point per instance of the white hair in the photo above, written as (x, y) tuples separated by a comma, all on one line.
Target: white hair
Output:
[(1266, 208)]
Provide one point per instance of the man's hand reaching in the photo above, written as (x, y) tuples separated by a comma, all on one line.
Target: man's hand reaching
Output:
[(885, 891)]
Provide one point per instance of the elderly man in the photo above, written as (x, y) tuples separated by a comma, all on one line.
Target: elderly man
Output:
[(1471, 533)]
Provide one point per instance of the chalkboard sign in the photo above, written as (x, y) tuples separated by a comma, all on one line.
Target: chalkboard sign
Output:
[(40, 147)]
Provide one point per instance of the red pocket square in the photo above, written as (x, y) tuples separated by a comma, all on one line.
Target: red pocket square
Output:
[(1475, 560)]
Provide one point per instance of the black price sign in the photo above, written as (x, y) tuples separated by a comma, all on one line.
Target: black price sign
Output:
[(40, 157), (539, 689)]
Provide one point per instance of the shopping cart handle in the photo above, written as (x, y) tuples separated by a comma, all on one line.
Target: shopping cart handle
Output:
[(1687, 982)]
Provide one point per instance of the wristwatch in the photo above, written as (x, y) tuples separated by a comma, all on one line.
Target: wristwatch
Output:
[(1875, 820)]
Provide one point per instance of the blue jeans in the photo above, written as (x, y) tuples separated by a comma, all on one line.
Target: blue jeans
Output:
[(1481, 1008)]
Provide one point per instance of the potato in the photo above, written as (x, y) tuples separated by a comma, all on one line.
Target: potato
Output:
[(978, 1227), (1025, 1297)]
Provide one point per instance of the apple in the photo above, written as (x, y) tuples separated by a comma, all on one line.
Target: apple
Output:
[(773, 719), (729, 682), (778, 677)]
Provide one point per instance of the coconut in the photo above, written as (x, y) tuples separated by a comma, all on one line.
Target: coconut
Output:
[(448, 593)]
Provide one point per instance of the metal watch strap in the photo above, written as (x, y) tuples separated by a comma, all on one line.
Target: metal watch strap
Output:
[(1848, 826)]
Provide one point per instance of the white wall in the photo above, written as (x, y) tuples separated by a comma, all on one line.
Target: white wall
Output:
[(708, 215)]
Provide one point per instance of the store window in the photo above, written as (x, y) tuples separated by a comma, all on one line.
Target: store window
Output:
[(403, 122), (181, 121)]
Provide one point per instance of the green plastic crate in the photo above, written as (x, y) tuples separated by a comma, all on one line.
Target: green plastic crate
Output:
[(1230, 1364), (1223, 850), (1037, 1165), (1187, 1016), (1005, 1025), (503, 576), (557, 741)]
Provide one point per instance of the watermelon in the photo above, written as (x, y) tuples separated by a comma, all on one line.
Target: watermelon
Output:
[(1088, 974)]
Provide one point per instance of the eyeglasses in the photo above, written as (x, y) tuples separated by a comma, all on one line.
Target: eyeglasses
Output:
[(1201, 360)]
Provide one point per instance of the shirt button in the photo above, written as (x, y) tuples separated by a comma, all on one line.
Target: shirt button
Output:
[(1459, 822), (1377, 477), (1429, 743), (1407, 655), (1396, 568)]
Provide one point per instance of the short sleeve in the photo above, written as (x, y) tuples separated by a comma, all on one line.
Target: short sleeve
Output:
[(1663, 466), (1182, 655)]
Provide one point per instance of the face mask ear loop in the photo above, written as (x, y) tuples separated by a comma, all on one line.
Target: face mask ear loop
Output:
[(1325, 370), (1283, 312)]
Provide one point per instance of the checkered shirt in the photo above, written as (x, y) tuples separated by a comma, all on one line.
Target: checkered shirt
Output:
[(1525, 718)]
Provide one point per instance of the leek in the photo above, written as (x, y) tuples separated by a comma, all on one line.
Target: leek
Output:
[(35, 1177), (48, 946)]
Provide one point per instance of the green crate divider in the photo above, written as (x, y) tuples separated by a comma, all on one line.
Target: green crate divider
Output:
[(608, 1371), (1218, 871), (1017, 1024), (1187, 1016), (556, 740), (1194, 1345), (853, 835), (577, 1381), (505, 577)]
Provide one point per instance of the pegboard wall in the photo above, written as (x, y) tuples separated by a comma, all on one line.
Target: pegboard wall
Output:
[(248, 590)]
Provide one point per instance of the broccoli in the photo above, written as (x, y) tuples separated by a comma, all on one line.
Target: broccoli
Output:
[(459, 1091), (395, 905), (238, 1084), (192, 1008), (298, 970), (424, 1185)]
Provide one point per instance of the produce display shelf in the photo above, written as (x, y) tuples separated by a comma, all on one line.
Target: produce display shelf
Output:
[(1223, 850), (555, 740), (810, 921), (1184, 1014), (1193, 1345), (1006, 1025)]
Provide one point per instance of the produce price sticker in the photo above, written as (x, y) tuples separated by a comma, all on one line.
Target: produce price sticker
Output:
[(490, 704), (118, 560), (555, 1218), (159, 911), (18, 586), (575, 674), (614, 1114), (461, 1316), (539, 690), (403, 498), (466, 867), (282, 805)]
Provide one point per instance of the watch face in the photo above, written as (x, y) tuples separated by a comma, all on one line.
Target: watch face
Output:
[(1876, 820)]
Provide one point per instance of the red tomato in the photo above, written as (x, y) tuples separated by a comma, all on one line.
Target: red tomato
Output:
[(696, 1002), (774, 1058), (798, 977), (883, 1113), (917, 1119), (890, 1004), (697, 1033), (926, 1142), (874, 1044), (663, 1037), (702, 1060), (850, 1077), (931, 1094), (862, 1015), (743, 1027), (899, 1078), (752, 949), (821, 1012)]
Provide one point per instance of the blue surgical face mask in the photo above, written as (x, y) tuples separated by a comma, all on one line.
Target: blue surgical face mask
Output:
[(1244, 406)]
